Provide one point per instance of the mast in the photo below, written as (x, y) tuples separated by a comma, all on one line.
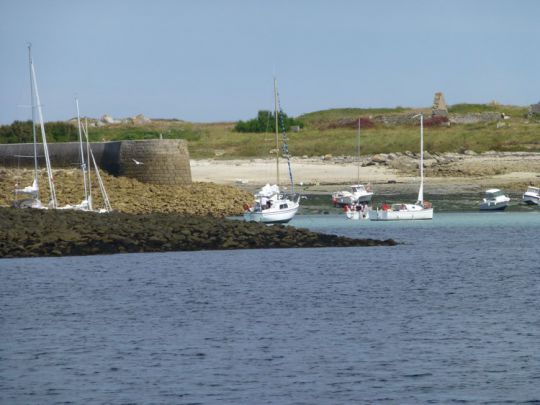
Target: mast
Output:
[(89, 167), (358, 154), (421, 191), (104, 194), (34, 135), (276, 112), (54, 201), (83, 165)]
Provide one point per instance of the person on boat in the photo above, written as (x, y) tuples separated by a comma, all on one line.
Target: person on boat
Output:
[(385, 207)]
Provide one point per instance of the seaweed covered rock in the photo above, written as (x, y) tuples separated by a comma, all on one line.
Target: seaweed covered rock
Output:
[(33, 232), (131, 196)]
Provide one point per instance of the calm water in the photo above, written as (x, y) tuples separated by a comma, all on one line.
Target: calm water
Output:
[(452, 315)]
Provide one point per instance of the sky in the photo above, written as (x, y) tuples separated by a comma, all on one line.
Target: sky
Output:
[(209, 61)]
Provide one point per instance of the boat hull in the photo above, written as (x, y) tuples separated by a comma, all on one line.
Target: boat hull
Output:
[(493, 207), (531, 199), (270, 216), (390, 215)]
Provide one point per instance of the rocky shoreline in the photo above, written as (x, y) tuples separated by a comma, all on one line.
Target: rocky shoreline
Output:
[(38, 233)]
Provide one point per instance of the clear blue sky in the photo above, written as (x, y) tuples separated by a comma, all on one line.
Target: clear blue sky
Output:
[(207, 61)]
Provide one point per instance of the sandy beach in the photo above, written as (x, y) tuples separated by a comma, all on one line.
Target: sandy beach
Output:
[(452, 173)]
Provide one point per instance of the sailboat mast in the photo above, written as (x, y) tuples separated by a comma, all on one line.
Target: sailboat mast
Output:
[(54, 201), (276, 112), (32, 104), (89, 166), (421, 192), (83, 166), (358, 154)]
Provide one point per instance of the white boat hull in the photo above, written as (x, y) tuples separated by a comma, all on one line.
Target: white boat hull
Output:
[(390, 215), (492, 206), (531, 199), (272, 216)]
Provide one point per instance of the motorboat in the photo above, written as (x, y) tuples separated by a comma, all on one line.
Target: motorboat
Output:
[(494, 200), (358, 194), (531, 196), (419, 210), (272, 206)]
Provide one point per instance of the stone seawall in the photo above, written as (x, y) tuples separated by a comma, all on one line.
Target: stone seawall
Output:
[(149, 161)]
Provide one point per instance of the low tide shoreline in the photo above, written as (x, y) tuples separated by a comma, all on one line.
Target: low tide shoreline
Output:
[(39, 233)]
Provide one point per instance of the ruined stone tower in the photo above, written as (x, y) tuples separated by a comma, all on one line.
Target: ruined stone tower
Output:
[(439, 106)]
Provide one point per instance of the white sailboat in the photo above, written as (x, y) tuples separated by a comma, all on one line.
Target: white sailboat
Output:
[(271, 205), (358, 194), (87, 203), (32, 192), (419, 210)]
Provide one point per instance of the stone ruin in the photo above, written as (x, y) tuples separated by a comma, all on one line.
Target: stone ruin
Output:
[(439, 109), (534, 109)]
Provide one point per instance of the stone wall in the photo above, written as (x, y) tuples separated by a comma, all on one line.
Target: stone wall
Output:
[(475, 118), (157, 162), (149, 161)]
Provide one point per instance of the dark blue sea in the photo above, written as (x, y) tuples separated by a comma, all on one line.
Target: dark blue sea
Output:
[(451, 315)]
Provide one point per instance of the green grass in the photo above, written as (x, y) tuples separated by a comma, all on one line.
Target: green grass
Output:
[(516, 136), (347, 113), (464, 108), (218, 140), (189, 132)]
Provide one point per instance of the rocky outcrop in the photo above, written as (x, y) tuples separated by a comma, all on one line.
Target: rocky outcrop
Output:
[(31, 232), (131, 196)]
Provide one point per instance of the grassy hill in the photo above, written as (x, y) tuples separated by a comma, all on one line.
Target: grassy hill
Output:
[(324, 133)]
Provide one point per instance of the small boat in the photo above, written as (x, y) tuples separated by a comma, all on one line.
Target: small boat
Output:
[(356, 212), (419, 210), (87, 203), (531, 196), (358, 193), (494, 200), (271, 205), (31, 193)]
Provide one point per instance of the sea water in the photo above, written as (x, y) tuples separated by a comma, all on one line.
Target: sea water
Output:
[(452, 314)]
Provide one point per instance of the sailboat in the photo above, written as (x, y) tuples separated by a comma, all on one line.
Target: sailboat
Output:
[(358, 195), (419, 210), (87, 204), (32, 192), (271, 205)]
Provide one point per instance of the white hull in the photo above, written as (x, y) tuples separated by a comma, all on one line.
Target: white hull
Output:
[(493, 206), (356, 215), (531, 199), (349, 200), (271, 215), (391, 215), (494, 200)]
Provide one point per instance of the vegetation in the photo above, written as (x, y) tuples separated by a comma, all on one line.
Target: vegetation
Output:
[(326, 132), (266, 122), (21, 132), (465, 108)]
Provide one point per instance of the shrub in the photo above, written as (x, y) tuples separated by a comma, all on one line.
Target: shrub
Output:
[(21, 132), (266, 122)]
